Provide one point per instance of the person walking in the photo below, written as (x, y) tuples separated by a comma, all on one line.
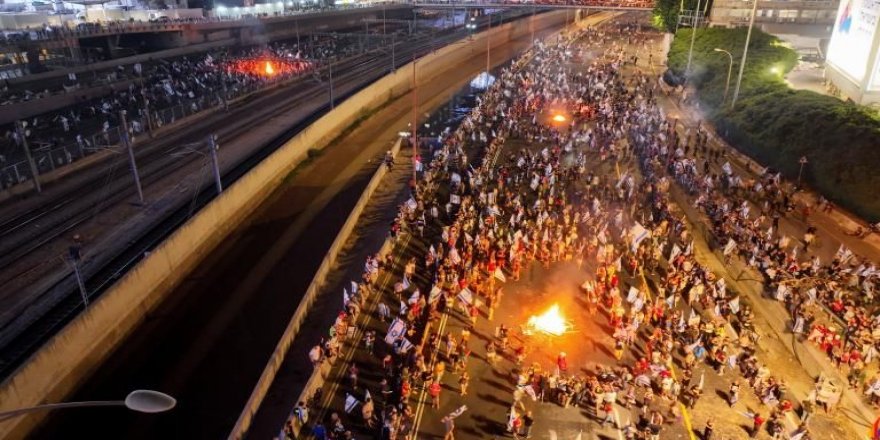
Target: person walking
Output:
[(434, 392), (449, 425), (527, 422), (463, 383), (757, 423), (733, 393)]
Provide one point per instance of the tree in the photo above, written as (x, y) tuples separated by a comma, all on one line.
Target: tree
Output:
[(665, 14)]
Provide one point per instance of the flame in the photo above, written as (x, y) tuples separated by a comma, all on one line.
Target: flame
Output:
[(550, 322), (269, 69), (559, 118)]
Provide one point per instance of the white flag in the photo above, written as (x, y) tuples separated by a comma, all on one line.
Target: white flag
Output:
[(674, 252), (350, 402), (729, 247), (639, 233), (367, 396), (345, 297), (354, 287), (500, 275), (414, 298), (466, 296), (406, 283), (434, 295), (734, 305)]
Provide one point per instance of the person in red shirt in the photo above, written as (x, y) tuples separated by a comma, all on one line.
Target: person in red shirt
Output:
[(757, 423), (434, 392), (562, 362)]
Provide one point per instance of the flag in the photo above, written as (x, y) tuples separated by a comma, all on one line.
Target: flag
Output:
[(434, 295), (414, 298), (639, 233), (466, 296), (674, 252), (432, 251), (727, 168), (406, 283), (354, 287), (458, 412), (350, 402), (345, 297), (734, 305), (693, 318), (454, 257), (632, 295), (500, 275), (367, 396), (702, 380), (395, 330), (729, 247), (455, 199)]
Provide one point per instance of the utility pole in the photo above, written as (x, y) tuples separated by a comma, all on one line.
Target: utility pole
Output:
[(742, 63), (215, 162), (126, 141), (393, 66), (532, 23), (296, 23), (330, 68), (383, 18), (75, 255), (488, 50), (19, 126), (687, 70), (415, 120)]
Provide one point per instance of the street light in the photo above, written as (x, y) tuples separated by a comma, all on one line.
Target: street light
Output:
[(143, 401), (742, 63), (729, 71), (695, 23)]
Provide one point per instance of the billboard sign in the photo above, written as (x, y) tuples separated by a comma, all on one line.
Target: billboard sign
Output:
[(853, 36)]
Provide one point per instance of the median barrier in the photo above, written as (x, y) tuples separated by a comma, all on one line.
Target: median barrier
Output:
[(74, 353)]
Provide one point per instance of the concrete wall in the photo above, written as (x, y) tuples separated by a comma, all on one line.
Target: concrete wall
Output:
[(61, 365)]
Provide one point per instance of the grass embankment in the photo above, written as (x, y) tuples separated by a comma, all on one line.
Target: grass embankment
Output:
[(777, 125)]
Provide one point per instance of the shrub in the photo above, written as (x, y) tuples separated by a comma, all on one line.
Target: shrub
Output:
[(777, 125)]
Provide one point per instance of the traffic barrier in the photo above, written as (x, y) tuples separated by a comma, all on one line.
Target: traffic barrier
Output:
[(72, 355)]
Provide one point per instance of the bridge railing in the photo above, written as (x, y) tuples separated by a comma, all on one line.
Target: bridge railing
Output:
[(610, 4)]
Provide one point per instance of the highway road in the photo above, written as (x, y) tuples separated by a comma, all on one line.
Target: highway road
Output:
[(208, 345)]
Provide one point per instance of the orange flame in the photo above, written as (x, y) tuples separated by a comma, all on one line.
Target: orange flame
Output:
[(269, 69), (559, 118), (551, 322)]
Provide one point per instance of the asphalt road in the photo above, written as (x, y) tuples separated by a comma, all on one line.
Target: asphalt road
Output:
[(208, 344)]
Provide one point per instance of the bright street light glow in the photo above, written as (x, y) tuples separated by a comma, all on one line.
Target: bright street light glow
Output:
[(558, 118)]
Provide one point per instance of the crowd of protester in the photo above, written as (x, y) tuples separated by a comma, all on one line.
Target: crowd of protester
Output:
[(479, 226), (191, 82)]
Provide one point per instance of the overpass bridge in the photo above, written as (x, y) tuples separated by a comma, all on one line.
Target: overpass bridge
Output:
[(605, 5)]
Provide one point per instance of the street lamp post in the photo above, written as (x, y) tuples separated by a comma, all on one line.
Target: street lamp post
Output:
[(729, 71), (802, 161), (742, 63), (415, 121), (687, 70), (144, 401)]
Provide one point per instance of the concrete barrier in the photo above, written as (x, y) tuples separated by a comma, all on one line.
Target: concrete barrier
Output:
[(72, 355)]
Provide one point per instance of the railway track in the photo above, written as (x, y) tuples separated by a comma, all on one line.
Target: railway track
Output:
[(61, 301)]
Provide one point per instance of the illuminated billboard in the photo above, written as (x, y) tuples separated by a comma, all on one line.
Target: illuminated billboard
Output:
[(853, 36)]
